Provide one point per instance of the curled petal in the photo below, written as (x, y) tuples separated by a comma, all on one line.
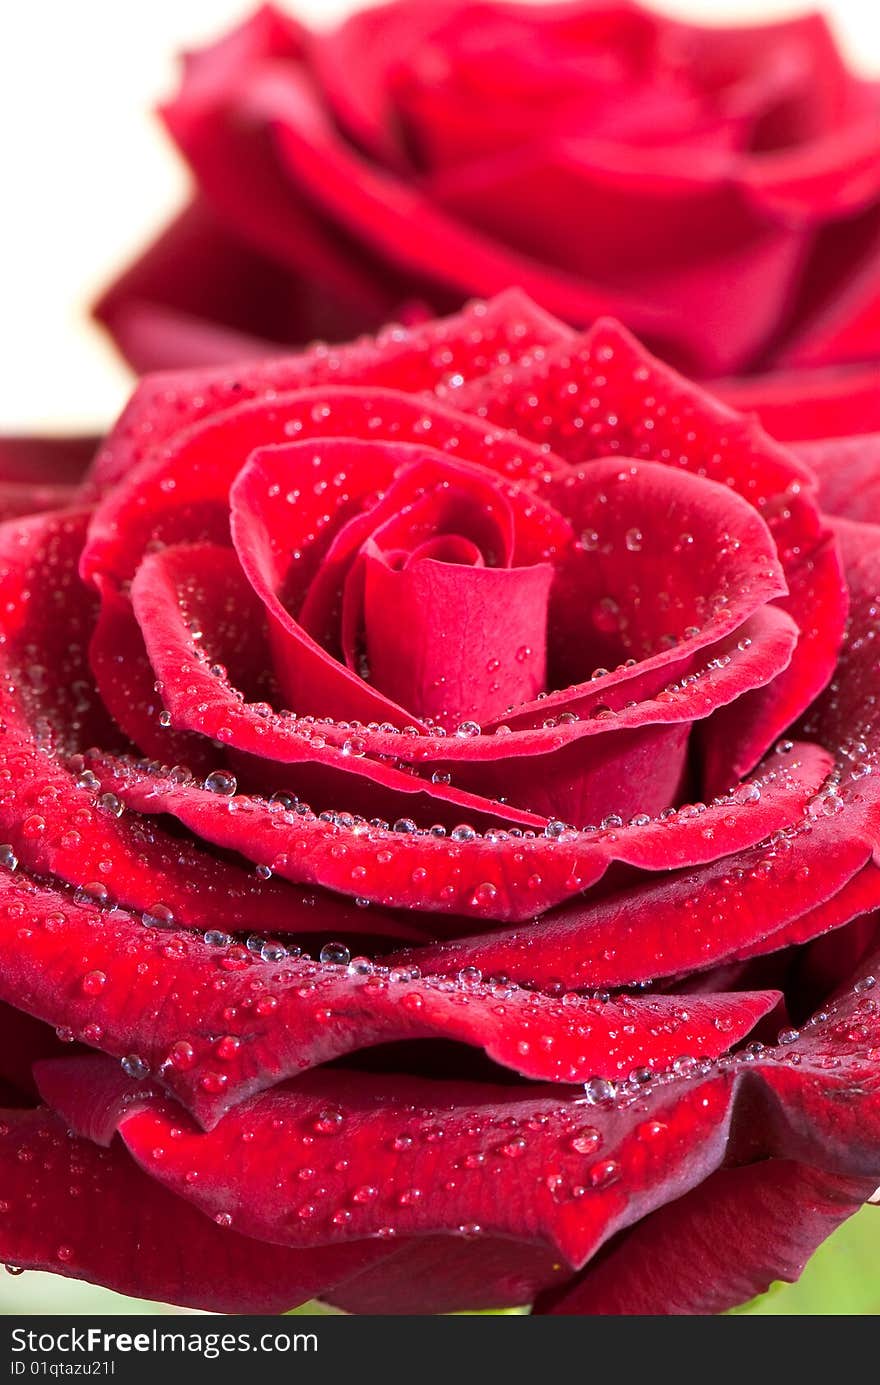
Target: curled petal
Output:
[(530, 1166), (463, 872), (58, 1189), (411, 359), (716, 1247), (216, 1023), (514, 1161), (814, 403)]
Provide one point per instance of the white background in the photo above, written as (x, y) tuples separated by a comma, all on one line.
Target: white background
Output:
[(86, 173)]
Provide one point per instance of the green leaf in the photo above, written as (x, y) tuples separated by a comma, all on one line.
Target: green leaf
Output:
[(313, 1309)]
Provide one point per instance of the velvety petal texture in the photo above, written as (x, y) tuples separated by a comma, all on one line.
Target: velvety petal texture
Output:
[(439, 811)]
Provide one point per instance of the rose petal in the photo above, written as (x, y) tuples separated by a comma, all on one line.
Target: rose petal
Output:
[(735, 738), (180, 493), (465, 873), (127, 680), (45, 461), (332, 763), (829, 403), (40, 473), (23, 1042), (61, 821), (442, 1274), (637, 934), (398, 1133), (74, 1209), (680, 922), (200, 296), (513, 1159), (411, 359), (718, 1246), (338, 765), (849, 475), (216, 1025), (451, 674), (609, 396)]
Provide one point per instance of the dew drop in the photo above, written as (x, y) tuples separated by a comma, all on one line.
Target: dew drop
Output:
[(220, 782), (134, 1066), (470, 976), (603, 1174), (485, 894), (216, 938), (182, 1055), (587, 1141), (598, 1090), (334, 955), (158, 916), (463, 833), (650, 1130), (328, 1122)]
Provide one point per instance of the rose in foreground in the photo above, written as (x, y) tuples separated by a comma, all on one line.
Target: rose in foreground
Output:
[(439, 835), (716, 189)]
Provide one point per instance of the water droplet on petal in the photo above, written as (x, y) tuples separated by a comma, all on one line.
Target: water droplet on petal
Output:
[(134, 1066), (220, 782), (334, 955)]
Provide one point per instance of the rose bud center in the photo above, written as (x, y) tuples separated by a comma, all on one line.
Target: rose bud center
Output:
[(440, 612)]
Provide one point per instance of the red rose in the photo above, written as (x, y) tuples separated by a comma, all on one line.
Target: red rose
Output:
[(517, 682), (717, 189)]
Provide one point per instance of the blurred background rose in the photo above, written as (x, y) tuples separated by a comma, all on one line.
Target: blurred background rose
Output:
[(89, 176)]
